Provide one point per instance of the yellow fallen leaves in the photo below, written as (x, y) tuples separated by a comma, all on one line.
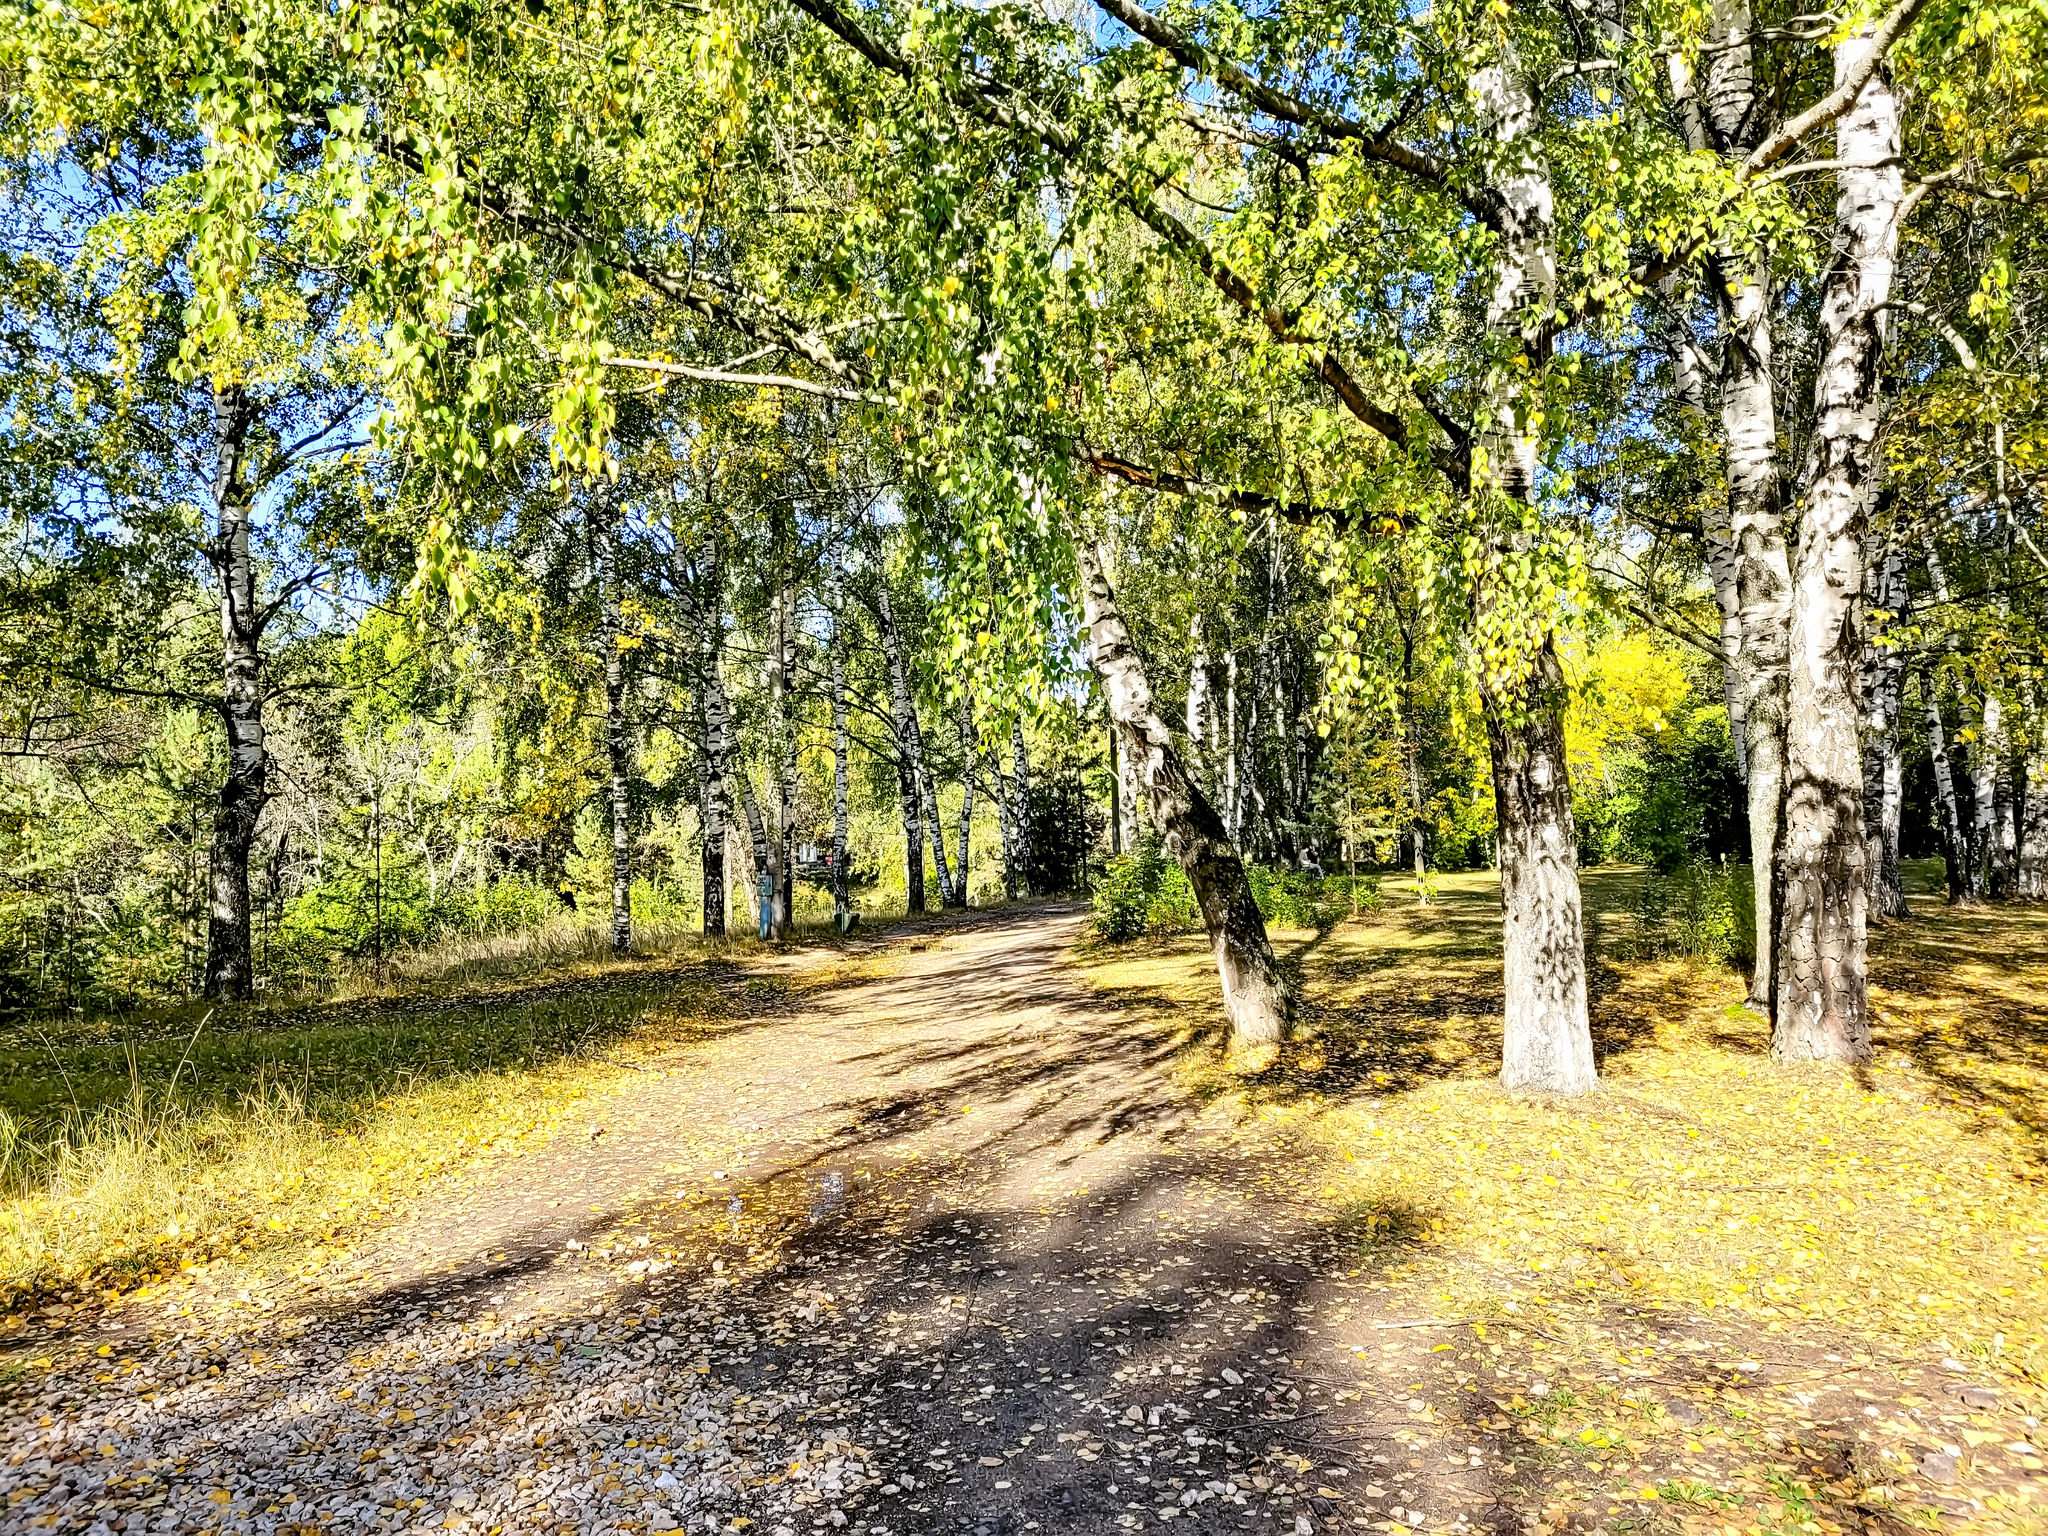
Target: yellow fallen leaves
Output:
[(1905, 1201)]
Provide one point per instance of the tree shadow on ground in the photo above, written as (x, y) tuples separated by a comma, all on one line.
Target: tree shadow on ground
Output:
[(1013, 1319)]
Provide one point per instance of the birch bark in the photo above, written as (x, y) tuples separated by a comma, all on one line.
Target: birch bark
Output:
[(1020, 811), (964, 719), (910, 774), (841, 901), (230, 965), (781, 667), (2031, 883), (1884, 670), (618, 751), (1547, 1043), (704, 603), (1954, 853), (1256, 999), (1717, 535), (1725, 115), (1822, 1002)]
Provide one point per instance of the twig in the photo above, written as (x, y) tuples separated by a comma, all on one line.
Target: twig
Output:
[(171, 1087)]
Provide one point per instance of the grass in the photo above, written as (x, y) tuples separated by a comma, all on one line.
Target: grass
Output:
[(1906, 1203), (136, 1143), (1867, 1237)]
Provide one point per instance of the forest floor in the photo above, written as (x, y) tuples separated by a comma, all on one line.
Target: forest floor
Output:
[(967, 1233)]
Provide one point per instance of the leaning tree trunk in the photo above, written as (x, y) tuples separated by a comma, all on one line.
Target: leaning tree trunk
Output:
[(950, 893), (1823, 1011), (618, 751), (230, 966), (1256, 998), (1547, 1042)]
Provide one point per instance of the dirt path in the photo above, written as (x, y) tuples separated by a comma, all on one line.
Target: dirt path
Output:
[(942, 1249)]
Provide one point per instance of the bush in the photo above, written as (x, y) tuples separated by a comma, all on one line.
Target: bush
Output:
[(1148, 892), (1144, 892), (1296, 898), (1700, 910)]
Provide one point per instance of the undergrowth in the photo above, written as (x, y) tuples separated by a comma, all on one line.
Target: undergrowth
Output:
[(1147, 891)]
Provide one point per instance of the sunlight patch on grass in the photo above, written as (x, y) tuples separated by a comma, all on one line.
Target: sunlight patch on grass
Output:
[(124, 1158), (1907, 1205)]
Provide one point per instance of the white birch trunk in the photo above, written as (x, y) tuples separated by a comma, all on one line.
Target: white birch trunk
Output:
[(617, 744), (1020, 814), (910, 775), (1199, 707), (1883, 740), (1547, 1042), (703, 604), (1954, 849), (1823, 1004), (841, 756), (1256, 999), (2031, 881), (964, 719)]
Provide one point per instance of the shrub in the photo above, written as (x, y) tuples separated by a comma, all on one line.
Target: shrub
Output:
[(1148, 892), (1700, 910), (1144, 892)]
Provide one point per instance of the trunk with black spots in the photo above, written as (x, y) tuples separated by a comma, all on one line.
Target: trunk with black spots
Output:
[(841, 756), (1020, 807), (2031, 882), (618, 751), (1884, 687), (1954, 850), (964, 719), (703, 601), (1256, 998), (230, 963), (910, 775), (1822, 1001), (1546, 1042)]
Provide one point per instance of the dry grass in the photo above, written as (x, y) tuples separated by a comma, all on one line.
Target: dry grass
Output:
[(1906, 1204), (128, 1146), (138, 1142)]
